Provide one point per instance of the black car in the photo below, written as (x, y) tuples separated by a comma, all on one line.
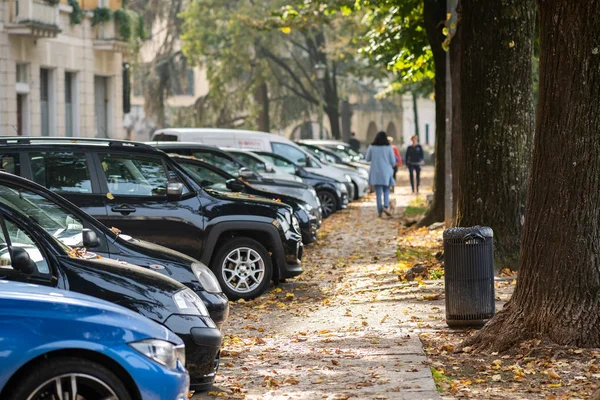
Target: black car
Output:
[(330, 195), (238, 168), (141, 191), (29, 254), (213, 178), (73, 227)]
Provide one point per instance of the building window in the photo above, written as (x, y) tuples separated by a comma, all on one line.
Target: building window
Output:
[(22, 73), (45, 101), (427, 134), (70, 104), (101, 105), (183, 85)]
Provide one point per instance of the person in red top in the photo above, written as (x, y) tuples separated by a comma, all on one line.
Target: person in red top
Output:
[(398, 158)]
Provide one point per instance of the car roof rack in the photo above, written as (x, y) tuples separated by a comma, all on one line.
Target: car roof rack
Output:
[(54, 139)]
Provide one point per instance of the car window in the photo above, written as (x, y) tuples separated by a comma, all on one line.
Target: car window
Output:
[(10, 162), (65, 171), (49, 215), (20, 239), (219, 161), (284, 165), (253, 163), (134, 176), (290, 152), (205, 177)]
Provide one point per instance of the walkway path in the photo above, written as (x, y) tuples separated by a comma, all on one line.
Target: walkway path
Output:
[(339, 331)]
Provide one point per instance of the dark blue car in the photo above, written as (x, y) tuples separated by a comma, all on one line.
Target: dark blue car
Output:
[(64, 345)]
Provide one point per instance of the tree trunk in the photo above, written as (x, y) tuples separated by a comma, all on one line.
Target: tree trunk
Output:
[(332, 102), (415, 113), (496, 119), (557, 297), (434, 14), (455, 67), (261, 96)]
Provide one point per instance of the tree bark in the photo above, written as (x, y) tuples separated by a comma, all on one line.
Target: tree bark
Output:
[(415, 113), (434, 14), (557, 297), (261, 96), (456, 145), (496, 113)]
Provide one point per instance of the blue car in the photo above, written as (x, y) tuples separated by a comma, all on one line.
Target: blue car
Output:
[(64, 345)]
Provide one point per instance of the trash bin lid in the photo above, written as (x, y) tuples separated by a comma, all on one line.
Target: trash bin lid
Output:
[(462, 233)]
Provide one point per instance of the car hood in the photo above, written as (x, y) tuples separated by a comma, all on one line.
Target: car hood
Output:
[(239, 197), (33, 301), (154, 251), (330, 172)]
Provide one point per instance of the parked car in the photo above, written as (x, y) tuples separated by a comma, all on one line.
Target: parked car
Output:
[(340, 148), (358, 174), (141, 191), (64, 345), (237, 168), (260, 165), (29, 254), (213, 178), (254, 141), (75, 228), (333, 195)]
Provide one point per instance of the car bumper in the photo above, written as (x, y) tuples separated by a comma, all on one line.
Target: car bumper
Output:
[(217, 305), (202, 344), (310, 232), (291, 265), (344, 201), (350, 188), (153, 380)]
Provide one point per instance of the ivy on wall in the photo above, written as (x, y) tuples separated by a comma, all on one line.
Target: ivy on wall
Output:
[(76, 15)]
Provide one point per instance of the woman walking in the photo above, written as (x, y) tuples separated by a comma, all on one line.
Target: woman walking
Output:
[(381, 174), (414, 159)]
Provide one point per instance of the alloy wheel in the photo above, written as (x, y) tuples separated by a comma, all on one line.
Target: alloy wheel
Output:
[(327, 203), (73, 387), (243, 270)]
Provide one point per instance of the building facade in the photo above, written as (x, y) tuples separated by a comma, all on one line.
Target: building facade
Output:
[(59, 78)]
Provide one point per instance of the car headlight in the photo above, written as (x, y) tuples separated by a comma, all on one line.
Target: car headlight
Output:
[(307, 207), (348, 178), (295, 224), (207, 279), (341, 187), (188, 302), (363, 173), (161, 351)]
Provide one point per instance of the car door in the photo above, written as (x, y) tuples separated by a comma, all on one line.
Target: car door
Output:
[(70, 174), (135, 187)]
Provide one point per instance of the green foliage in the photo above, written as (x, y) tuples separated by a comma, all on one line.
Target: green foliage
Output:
[(101, 15), (122, 18), (76, 14)]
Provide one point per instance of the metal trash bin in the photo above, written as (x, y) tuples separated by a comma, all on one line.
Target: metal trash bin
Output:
[(469, 276)]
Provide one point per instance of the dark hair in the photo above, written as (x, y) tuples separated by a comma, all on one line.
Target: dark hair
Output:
[(381, 139)]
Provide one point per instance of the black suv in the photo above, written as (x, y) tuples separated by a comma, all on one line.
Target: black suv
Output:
[(73, 227), (141, 191)]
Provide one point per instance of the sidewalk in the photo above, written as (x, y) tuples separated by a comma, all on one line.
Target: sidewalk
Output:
[(338, 331)]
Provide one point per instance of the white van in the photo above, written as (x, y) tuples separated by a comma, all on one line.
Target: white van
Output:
[(254, 141)]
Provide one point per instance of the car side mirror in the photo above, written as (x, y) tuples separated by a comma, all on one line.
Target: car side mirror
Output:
[(235, 185), (269, 168), (300, 171), (90, 239), (22, 262), (174, 190), (246, 173)]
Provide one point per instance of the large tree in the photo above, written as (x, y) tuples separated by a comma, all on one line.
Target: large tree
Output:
[(496, 118), (557, 297)]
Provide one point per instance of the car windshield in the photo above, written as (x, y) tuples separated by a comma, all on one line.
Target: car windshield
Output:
[(254, 163), (341, 153), (205, 177), (220, 161), (53, 219), (284, 165)]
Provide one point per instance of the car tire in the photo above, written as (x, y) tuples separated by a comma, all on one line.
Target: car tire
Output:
[(91, 377), (234, 273), (328, 202), (356, 192)]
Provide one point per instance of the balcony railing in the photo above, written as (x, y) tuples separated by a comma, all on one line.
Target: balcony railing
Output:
[(33, 18), (108, 37)]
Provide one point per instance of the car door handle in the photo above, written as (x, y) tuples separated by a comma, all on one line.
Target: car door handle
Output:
[(123, 209)]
